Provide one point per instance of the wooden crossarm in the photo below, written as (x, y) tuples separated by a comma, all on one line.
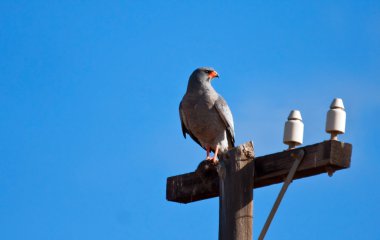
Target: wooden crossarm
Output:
[(324, 157)]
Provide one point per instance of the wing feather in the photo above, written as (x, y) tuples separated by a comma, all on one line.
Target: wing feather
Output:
[(184, 125), (226, 116)]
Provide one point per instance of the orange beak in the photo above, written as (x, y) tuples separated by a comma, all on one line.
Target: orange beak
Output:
[(213, 74)]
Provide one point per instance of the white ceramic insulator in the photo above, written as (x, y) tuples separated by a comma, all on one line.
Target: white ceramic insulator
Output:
[(293, 132), (336, 121)]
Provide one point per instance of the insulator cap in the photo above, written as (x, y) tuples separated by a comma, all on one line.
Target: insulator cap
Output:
[(337, 103)]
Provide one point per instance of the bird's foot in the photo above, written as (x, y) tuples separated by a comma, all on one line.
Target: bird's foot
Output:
[(214, 160)]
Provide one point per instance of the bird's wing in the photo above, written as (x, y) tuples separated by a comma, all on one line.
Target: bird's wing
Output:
[(226, 116), (184, 125)]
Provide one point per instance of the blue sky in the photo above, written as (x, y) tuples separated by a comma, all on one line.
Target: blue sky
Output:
[(89, 125)]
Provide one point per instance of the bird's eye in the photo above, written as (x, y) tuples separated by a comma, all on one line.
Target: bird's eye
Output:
[(207, 71)]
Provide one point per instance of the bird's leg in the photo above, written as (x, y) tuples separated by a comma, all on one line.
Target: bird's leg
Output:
[(208, 153), (214, 160)]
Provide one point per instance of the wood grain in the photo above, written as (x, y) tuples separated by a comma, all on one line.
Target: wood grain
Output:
[(236, 193)]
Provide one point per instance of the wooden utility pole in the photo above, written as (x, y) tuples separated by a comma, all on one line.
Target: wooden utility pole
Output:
[(236, 193), (238, 173)]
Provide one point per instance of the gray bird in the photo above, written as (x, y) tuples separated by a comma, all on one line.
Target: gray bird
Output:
[(205, 115)]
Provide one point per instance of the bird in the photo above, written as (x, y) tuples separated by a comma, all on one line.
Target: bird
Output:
[(205, 115)]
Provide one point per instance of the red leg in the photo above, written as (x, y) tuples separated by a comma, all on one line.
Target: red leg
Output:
[(214, 159), (208, 153)]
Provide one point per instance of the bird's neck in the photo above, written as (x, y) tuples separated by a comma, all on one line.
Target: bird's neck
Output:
[(197, 87)]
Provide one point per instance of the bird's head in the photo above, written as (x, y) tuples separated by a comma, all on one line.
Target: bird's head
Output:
[(203, 74)]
